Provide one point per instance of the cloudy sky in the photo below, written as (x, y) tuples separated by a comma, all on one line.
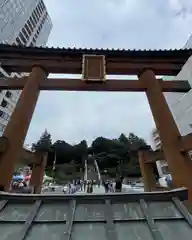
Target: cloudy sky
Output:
[(134, 24)]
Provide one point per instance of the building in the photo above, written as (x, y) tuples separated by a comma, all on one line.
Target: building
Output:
[(180, 106), (22, 23), (156, 139), (180, 103), (162, 166)]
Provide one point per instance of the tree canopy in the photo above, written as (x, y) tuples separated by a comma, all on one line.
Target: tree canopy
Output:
[(113, 155), (44, 143)]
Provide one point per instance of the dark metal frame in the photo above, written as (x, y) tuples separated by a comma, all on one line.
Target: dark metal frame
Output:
[(108, 199)]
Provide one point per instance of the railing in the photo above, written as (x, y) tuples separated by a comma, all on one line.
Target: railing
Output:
[(85, 171), (97, 169)]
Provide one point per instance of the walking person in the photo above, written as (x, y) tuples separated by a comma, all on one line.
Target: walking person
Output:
[(118, 185)]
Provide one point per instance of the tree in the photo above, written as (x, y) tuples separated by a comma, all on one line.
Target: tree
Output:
[(44, 143), (117, 156), (80, 152)]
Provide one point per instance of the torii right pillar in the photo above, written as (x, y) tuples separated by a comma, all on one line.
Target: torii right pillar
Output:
[(179, 163)]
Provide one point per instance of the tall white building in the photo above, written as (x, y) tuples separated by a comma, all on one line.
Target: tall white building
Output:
[(180, 105), (22, 22)]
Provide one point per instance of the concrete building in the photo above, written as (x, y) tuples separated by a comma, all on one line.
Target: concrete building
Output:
[(156, 139), (22, 23), (180, 105), (162, 166)]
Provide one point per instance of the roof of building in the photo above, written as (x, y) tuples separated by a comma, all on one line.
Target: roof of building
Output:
[(100, 51), (146, 216)]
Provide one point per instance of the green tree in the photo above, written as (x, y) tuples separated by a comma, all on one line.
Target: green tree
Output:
[(44, 143)]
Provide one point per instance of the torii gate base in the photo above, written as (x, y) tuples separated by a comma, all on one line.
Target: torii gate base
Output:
[(38, 172), (173, 144)]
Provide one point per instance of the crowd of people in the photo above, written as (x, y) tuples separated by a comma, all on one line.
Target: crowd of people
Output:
[(113, 186), (87, 186)]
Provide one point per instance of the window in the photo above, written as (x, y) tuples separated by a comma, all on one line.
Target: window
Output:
[(8, 94), (1, 113), (4, 103), (36, 15), (30, 25), (25, 34), (2, 127), (22, 38), (39, 8), (4, 115), (34, 18), (32, 21), (165, 170), (38, 12), (18, 41), (28, 30)]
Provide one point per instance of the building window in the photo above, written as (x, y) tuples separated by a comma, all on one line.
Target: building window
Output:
[(8, 94), (165, 170), (22, 38), (30, 25), (34, 18), (1, 113), (43, 5), (4, 115), (25, 34), (38, 12), (39, 8), (32, 21), (4, 103), (28, 30), (36, 15), (2, 127), (18, 41)]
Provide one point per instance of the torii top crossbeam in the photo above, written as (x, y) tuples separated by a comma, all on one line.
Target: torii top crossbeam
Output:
[(121, 62)]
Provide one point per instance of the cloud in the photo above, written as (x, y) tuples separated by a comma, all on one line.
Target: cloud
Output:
[(140, 24)]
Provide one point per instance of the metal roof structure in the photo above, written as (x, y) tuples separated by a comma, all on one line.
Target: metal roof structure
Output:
[(141, 216)]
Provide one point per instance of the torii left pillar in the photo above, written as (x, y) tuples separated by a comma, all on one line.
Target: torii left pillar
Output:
[(18, 125), (38, 170), (147, 173)]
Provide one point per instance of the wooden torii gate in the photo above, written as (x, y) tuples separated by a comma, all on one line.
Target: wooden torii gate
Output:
[(95, 65)]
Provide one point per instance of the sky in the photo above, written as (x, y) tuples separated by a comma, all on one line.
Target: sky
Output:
[(128, 24)]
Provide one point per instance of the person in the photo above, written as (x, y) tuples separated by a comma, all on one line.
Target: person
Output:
[(106, 186), (118, 185), (84, 185), (65, 189), (88, 187), (91, 187), (111, 187)]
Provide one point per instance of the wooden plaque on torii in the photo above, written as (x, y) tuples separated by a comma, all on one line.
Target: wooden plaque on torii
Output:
[(93, 68)]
